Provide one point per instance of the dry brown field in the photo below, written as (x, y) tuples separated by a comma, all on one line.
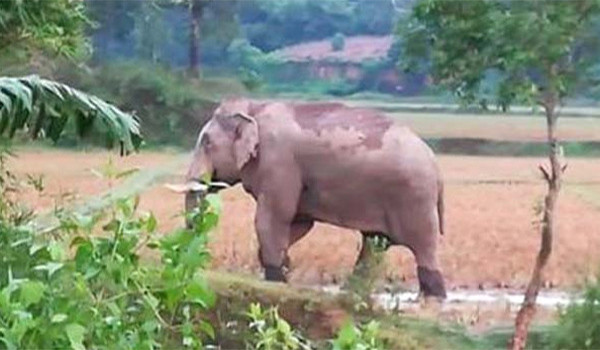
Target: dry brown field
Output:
[(491, 231)]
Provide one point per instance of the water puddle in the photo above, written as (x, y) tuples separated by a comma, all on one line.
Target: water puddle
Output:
[(550, 299), (546, 299)]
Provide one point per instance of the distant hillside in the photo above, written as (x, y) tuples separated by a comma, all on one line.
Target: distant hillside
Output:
[(356, 49)]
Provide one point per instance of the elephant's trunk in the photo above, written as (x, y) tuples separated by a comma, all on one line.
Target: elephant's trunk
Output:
[(198, 169)]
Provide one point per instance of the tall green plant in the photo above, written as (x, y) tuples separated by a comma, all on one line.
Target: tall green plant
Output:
[(361, 337), (85, 286), (269, 331), (579, 326), (43, 107)]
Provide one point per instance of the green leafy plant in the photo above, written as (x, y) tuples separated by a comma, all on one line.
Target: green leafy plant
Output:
[(85, 286), (43, 108), (362, 282), (578, 325), (271, 332), (364, 337)]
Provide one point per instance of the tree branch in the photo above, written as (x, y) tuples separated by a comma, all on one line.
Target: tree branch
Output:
[(545, 173)]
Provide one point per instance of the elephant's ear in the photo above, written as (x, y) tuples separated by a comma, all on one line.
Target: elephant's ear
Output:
[(246, 140)]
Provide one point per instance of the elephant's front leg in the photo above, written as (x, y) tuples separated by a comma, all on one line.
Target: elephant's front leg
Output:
[(274, 239)]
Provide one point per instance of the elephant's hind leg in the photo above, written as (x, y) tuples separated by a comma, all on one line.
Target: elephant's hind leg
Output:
[(414, 224), (421, 237)]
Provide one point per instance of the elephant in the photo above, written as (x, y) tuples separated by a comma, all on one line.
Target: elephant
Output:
[(307, 162)]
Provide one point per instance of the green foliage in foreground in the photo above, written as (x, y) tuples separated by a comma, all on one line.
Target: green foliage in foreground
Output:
[(43, 108), (269, 331), (85, 287), (579, 325), (362, 337)]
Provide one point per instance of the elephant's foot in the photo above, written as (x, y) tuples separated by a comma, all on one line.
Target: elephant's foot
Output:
[(274, 274), (431, 283)]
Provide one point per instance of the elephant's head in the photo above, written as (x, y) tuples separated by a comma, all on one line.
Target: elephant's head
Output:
[(225, 145)]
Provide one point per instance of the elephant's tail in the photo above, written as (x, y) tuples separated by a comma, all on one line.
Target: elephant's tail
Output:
[(440, 206)]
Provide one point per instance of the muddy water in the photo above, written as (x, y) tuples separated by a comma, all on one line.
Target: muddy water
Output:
[(403, 300), (545, 299)]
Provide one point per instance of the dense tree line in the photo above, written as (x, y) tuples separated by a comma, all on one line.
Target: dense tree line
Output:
[(270, 25), (159, 30)]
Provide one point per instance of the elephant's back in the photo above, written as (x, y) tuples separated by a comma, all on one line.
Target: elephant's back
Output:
[(342, 126)]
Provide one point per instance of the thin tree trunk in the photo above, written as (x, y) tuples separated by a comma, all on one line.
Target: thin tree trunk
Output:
[(196, 9), (553, 179)]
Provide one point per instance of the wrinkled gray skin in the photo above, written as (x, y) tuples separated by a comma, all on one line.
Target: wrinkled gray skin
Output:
[(306, 163)]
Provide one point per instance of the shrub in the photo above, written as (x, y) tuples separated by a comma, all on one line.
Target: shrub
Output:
[(338, 42), (271, 332), (579, 325), (363, 337), (77, 289)]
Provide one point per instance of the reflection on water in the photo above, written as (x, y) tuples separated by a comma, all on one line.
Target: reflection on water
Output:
[(549, 299)]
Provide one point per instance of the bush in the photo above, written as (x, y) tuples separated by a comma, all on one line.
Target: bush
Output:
[(338, 42), (579, 325), (252, 64), (363, 337), (76, 289), (271, 332)]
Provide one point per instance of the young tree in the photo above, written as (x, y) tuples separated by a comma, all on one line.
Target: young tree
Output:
[(150, 30), (541, 49), (54, 25), (196, 8), (221, 16)]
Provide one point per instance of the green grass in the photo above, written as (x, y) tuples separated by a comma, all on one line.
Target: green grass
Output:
[(428, 105), (425, 103), (494, 148), (497, 126), (307, 309)]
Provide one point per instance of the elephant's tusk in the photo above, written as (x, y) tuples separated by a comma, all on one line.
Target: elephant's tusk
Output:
[(192, 186), (219, 184)]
